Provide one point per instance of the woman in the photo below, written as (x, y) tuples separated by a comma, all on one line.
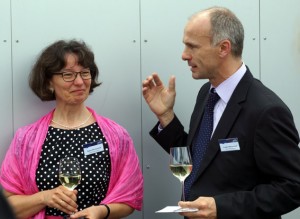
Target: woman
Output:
[(111, 185)]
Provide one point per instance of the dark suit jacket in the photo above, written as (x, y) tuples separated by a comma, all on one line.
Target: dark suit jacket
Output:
[(262, 179)]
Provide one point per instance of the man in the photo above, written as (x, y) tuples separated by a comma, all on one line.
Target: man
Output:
[(251, 167)]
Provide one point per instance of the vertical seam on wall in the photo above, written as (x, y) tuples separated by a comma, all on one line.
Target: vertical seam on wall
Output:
[(12, 69), (141, 75), (141, 95), (259, 39)]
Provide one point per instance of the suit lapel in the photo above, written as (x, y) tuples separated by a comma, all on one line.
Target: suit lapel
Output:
[(227, 120), (198, 112)]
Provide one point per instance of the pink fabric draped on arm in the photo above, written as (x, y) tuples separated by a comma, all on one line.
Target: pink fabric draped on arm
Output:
[(126, 180), (21, 161)]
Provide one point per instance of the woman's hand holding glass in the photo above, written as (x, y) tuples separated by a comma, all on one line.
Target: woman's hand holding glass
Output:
[(61, 198), (69, 172), (69, 176)]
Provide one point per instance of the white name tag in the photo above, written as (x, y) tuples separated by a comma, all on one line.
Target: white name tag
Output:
[(93, 147), (230, 144)]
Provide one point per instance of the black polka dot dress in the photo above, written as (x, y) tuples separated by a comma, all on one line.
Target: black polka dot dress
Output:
[(95, 168)]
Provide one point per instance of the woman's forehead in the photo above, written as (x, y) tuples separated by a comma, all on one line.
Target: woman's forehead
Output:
[(71, 60)]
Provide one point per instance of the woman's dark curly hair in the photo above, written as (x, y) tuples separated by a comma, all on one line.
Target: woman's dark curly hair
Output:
[(53, 59)]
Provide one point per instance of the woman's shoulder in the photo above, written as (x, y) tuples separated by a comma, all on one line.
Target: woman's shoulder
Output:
[(111, 128), (104, 120), (108, 123), (33, 127)]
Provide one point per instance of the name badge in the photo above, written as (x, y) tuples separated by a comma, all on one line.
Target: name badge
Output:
[(230, 144), (93, 147)]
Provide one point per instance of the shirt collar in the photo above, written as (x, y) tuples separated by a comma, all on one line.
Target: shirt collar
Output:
[(226, 88)]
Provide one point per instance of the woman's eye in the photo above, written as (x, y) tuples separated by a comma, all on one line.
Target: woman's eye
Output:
[(68, 75)]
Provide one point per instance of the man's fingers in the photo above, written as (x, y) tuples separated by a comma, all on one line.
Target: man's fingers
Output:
[(156, 79), (172, 83)]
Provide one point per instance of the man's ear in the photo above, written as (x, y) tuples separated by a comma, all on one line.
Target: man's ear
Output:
[(224, 48)]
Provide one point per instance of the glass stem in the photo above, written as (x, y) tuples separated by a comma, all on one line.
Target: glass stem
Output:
[(183, 195)]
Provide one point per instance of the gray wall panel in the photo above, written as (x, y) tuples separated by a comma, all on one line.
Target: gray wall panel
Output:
[(280, 55), (6, 124), (280, 51)]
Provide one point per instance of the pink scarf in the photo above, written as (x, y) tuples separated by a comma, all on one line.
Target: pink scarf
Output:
[(19, 166)]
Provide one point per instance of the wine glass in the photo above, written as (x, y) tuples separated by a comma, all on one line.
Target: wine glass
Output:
[(181, 167), (69, 172)]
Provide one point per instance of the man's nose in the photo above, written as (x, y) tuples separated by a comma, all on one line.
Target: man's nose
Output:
[(185, 56)]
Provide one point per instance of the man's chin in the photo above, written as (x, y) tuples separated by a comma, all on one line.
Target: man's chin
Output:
[(197, 75)]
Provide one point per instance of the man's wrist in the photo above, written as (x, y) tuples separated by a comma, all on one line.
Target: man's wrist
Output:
[(166, 118), (159, 128)]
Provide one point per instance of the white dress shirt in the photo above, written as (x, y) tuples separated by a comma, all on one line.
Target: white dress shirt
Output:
[(225, 90)]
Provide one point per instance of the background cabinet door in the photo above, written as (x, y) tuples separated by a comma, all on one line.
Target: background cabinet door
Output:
[(162, 23)]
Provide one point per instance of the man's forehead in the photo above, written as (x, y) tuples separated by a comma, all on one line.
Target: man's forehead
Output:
[(197, 30), (199, 24)]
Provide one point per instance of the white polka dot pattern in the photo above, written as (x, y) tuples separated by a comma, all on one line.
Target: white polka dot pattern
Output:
[(95, 168), (202, 139)]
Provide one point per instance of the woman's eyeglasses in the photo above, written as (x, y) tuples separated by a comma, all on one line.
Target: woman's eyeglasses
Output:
[(69, 76)]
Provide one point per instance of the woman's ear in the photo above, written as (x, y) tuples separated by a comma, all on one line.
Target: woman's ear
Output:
[(51, 86)]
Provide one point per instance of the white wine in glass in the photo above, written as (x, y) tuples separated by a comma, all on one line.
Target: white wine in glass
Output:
[(181, 166), (69, 172)]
